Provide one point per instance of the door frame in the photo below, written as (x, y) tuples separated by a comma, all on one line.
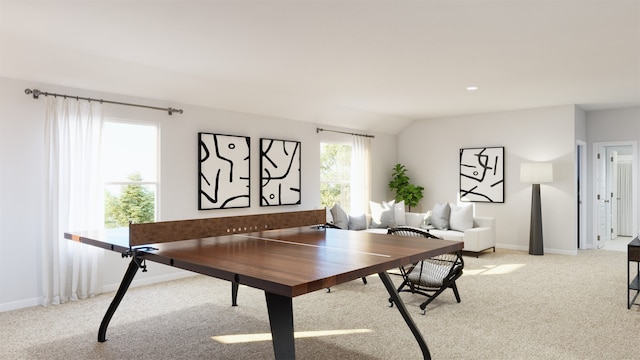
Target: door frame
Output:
[(581, 193)]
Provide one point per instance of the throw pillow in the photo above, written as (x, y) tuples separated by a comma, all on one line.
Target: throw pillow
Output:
[(461, 217), (398, 212), (440, 216), (340, 217), (329, 216), (382, 214), (358, 222), (426, 221)]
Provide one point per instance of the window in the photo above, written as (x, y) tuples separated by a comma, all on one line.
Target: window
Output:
[(335, 175), (130, 169)]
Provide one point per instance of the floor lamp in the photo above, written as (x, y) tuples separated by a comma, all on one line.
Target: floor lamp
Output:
[(536, 173)]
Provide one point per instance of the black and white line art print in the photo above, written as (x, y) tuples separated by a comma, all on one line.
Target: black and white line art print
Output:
[(280, 176), (482, 174), (223, 171)]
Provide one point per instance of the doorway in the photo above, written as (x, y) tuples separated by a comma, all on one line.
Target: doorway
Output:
[(615, 192)]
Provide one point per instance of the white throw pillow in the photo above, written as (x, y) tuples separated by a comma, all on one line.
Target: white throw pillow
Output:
[(382, 214), (398, 213), (461, 217)]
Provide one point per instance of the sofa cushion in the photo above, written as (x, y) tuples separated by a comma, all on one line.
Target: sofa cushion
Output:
[(461, 217), (358, 222), (382, 214), (440, 216), (340, 217), (448, 234)]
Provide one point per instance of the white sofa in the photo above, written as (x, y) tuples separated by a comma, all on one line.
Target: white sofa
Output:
[(477, 239)]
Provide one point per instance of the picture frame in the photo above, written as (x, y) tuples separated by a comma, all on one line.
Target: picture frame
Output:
[(280, 172), (224, 171), (482, 174)]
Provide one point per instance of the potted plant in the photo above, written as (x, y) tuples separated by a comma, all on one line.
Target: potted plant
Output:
[(403, 189)]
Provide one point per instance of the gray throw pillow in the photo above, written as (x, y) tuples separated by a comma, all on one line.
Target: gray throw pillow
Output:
[(358, 222), (440, 216), (340, 217)]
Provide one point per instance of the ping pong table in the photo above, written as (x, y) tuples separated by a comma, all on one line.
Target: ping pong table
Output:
[(283, 254)]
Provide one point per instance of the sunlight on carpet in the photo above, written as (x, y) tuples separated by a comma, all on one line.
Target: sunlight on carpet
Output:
[(494, 269), (246, 338)]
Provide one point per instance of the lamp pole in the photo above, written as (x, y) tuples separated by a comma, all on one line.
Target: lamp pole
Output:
[(536, 245)]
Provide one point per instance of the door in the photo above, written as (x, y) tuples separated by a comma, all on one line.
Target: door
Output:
[(613, 191), (606, 192), (601, 201)]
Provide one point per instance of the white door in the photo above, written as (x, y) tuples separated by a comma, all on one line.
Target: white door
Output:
[(613, 188), (601, 201)]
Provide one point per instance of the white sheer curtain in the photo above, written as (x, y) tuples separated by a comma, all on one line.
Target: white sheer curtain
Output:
[(72, 199), (625, 205), (360, 175)]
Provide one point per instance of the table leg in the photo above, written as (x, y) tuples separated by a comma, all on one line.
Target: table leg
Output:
[(386, 280), (281, 320), (134, 265), (234, 293)]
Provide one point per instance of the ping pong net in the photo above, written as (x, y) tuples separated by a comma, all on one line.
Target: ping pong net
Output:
[(167, 231)]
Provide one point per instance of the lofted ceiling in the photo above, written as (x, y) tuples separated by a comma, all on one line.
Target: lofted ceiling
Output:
[(367, 65)]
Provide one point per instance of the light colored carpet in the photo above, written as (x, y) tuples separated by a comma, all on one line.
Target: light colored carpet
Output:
[(514, 306)]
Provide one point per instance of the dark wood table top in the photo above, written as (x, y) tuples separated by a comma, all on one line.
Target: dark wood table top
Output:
[(287, 262)]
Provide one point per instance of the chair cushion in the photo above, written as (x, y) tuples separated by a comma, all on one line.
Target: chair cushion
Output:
[(432, 275)]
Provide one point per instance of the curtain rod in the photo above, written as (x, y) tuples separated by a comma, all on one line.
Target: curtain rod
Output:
[(36, 93), (344, 132)]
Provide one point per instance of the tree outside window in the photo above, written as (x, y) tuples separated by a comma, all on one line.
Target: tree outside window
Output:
[(130, 168), (135, 203), (335, 175)]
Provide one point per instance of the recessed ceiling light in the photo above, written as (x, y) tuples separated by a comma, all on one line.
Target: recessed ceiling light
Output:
[(472, 88)]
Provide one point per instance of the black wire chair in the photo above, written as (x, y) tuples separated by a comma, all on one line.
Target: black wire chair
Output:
[(429, 277)]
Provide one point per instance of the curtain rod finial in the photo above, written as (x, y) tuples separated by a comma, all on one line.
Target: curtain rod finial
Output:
[(172, 110), (35, 92)]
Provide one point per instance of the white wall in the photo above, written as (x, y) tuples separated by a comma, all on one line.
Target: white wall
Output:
[(21, 176), (618, 125), (430, 150)]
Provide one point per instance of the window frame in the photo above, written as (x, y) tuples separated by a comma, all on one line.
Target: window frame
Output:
[(157, 194)]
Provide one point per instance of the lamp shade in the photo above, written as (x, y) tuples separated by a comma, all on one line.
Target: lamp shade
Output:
[(536, 173)]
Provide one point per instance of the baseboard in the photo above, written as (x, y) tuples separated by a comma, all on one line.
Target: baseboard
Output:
[(512, 247), (546, 250), (15, 305), (151, 280)]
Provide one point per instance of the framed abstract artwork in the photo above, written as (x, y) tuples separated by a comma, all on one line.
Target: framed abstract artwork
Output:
[(280, 176), (482, 174), (223, 171)]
